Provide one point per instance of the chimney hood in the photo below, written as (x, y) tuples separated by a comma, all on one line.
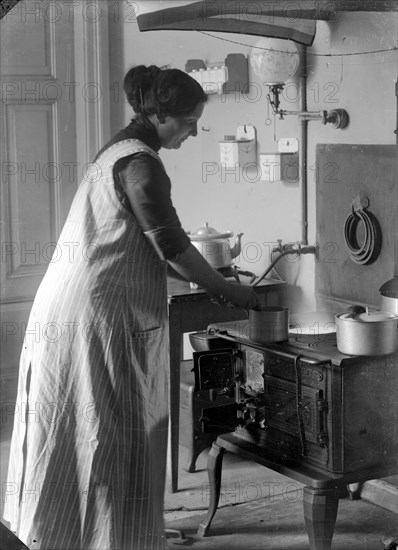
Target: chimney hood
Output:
[(271, 18), (282, 19)]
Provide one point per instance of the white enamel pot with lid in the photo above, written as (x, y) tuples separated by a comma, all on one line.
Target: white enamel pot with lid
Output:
[(366, 332), (214, 245)]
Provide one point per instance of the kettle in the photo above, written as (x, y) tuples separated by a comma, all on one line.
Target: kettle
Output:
[(214, 246), (389, 295)]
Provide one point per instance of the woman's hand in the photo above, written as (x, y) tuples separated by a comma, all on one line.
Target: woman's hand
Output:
[(241, 296), (192, 266)]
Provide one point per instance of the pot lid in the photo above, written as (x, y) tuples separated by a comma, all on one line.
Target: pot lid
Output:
[(375, 316), (206, 233), (390, 288), (368, 317)]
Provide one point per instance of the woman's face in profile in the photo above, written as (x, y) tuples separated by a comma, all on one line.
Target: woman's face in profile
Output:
[(175, 130)]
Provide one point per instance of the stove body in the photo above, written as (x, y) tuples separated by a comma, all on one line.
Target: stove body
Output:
[(302, 400)]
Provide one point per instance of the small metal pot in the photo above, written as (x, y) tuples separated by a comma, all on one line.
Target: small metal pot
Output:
[(269, 324), (369, 333)]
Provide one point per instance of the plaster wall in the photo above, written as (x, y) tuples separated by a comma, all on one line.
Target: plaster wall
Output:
[(340, 74)]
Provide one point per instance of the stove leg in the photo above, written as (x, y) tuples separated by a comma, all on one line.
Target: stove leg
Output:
[(354, 491), (214, 467), (194, 451), (191, 462), (320, 511)]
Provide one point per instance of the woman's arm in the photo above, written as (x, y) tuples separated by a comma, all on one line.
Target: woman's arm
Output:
[(147, 187), (191, 265)]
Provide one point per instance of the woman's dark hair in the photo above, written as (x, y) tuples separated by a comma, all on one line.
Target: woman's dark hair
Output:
[(164, 92)]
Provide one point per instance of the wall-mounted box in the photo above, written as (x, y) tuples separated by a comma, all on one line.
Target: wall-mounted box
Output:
[(270, 166), (279, 167), (283, 165), (290, 168), (235, 152), (240, 149), (238, 74), (212, 78), (228, 76)]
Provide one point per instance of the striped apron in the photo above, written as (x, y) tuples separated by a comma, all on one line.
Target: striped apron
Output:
[(88, 451)]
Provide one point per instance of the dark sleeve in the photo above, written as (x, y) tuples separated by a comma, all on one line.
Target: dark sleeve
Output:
[(148, 190)]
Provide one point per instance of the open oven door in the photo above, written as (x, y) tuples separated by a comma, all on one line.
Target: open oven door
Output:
[(215, 400)]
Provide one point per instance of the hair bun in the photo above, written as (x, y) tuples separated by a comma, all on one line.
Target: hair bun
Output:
[(162, 91), (137, 83), (152, 73)]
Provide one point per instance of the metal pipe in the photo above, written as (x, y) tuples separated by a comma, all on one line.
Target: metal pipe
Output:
[(303, 147), (317, 115), (272, 264), (304, 117)]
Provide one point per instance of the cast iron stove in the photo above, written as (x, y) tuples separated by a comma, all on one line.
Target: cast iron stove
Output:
[(302, 398), (303, 409)]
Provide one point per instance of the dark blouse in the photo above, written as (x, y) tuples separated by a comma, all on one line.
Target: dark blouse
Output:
[(146, 181)]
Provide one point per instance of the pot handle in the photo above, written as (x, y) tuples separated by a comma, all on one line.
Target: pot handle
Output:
[(353, 311)]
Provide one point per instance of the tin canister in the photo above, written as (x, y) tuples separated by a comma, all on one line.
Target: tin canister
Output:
[(269, 324)]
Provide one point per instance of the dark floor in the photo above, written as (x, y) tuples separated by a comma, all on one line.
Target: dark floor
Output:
[(259, 509), (279, 525)]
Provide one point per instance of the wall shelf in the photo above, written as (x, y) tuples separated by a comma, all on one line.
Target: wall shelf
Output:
[(224, 77)]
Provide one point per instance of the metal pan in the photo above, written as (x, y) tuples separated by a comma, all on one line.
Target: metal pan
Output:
[(374, 333), (269, 324)]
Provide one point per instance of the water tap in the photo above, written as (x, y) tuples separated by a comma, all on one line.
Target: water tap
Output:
[(279, 247), (306, 249), (296, 247)]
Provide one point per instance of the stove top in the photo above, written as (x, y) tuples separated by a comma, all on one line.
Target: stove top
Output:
[(322, 347)]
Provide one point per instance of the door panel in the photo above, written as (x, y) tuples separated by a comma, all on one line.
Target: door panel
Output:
[(38, 149), (53, 55), (25, 35), (30, 196), (39, 140)]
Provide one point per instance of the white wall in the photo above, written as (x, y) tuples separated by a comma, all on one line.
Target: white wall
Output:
[(263, 211)]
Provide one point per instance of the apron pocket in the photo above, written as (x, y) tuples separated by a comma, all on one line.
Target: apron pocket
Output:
[(147, 350)]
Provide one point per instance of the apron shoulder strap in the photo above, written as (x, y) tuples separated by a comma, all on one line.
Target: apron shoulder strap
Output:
[(123, 149)]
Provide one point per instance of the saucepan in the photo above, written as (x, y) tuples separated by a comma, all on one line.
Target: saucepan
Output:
[(363, 331), (269, 324)]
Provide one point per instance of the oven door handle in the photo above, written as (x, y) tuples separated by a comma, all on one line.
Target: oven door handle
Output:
[(322, 407)]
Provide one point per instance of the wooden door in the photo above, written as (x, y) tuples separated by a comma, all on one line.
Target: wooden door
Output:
[(53, 118)]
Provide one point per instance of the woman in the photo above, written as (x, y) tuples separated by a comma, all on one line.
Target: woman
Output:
[(88, 456)]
